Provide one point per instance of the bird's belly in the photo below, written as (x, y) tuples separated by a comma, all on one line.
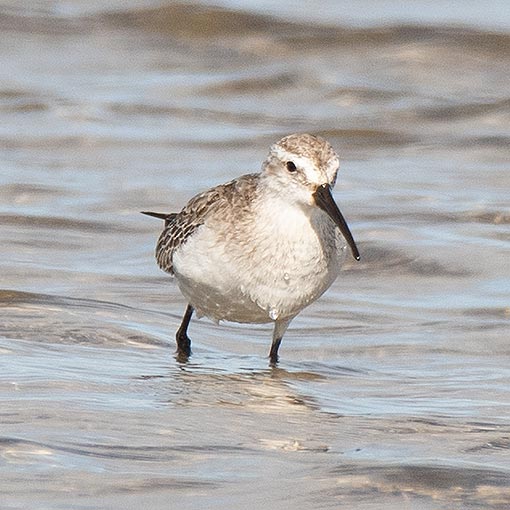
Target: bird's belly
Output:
[(256, 287), (224, 297), (221, 300)]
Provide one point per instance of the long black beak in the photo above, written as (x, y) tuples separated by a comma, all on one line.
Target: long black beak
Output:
[(325, 201)]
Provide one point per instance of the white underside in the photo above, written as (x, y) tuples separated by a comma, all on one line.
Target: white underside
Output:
[(270, 271)]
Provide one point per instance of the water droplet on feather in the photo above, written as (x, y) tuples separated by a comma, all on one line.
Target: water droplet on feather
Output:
[(273, 313)]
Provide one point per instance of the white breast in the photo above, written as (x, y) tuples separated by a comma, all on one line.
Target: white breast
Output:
[(267, 267)]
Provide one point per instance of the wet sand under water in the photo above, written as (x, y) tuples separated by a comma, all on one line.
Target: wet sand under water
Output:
[(394, 389)]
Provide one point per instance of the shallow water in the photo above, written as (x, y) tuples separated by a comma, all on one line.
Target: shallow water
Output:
[(393, 389)]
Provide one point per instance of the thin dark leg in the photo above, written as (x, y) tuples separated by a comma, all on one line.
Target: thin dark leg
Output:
[(182, 338), (273, 353), (280, 326)]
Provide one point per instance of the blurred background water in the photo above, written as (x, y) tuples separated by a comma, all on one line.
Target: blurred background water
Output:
[(393, 390)]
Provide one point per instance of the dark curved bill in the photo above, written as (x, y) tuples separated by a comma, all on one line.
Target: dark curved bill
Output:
[(325, 201)]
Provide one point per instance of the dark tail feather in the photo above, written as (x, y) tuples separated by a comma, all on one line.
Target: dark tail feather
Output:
[(168, 217), (161, 216)]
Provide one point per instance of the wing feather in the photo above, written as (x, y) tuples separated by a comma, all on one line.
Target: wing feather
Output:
[(217, 201)]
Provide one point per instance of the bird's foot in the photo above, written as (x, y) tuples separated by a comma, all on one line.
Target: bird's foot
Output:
[(183, 347), (273, 353), (273, 362)]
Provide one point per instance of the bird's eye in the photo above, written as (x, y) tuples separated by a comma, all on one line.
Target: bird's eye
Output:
[(291, 167)]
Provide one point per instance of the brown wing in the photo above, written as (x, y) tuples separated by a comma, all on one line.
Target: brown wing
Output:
[(216, 201)]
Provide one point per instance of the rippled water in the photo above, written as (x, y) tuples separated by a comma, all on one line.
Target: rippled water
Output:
[(393, 390)]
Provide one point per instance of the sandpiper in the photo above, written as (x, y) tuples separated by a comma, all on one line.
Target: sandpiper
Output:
[(262, 247)]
